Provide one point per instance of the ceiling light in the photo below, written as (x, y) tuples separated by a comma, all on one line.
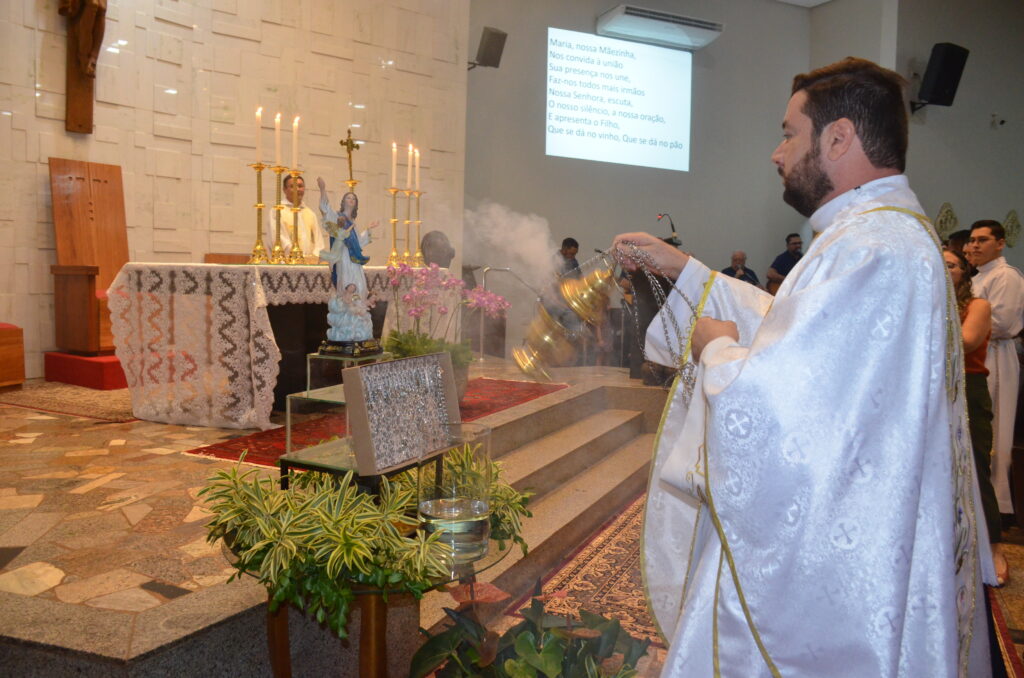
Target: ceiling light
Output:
[(170, 91), (113, 50), (122, 43)]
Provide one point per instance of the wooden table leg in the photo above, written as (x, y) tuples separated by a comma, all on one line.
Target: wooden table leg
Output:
[(373, 626), (277, 642)]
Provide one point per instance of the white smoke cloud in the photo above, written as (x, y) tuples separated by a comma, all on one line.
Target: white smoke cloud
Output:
[(494, 235)]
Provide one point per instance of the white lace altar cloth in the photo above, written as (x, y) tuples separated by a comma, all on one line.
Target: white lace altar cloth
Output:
[(195, 340)]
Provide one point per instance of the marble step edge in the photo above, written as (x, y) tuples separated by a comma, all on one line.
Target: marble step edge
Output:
[(521, 424), (546, 463)]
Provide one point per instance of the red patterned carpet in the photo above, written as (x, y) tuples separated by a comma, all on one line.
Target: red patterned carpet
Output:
[(603, 576), (483, 396)]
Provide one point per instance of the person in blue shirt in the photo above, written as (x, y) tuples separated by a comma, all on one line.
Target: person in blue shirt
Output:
[(785, 262), (738, 269)]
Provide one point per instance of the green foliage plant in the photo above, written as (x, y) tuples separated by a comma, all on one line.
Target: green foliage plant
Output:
[(541, 646), (412, 343), (316, 543)]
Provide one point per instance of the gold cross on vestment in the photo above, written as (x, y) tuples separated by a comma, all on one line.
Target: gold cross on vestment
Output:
[(349, 145)]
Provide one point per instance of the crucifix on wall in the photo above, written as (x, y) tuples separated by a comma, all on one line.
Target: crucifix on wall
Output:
[(86, 22)]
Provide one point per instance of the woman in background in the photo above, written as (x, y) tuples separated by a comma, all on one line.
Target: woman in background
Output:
[(976, 326)]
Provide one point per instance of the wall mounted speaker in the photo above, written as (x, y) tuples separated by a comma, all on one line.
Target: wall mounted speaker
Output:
[(941, 78), (492, 44)]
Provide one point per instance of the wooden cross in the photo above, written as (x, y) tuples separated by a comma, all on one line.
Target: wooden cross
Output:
[(349, 145), (86, 22)]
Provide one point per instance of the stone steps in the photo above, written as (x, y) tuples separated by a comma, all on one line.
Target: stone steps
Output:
[(585, 455)]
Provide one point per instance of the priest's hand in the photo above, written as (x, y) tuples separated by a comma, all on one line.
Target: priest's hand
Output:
[(706, 330), (657, 255), (320, 184)]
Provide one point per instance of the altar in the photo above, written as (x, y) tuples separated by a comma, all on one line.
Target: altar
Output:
[(195, 340)]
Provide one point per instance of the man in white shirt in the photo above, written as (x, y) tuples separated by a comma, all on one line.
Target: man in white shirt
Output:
[(312, 238), (1002, 286), (811, 509)]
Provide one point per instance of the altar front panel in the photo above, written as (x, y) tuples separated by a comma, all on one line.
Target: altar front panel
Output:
[(195, 340)]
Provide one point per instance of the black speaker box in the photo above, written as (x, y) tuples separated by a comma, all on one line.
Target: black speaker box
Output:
[(492, 44), (941, 78)]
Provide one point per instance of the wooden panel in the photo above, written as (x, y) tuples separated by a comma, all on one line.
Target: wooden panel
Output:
[(225, 258), (12, 356), (76, 313), (92, 246), (111, 229), (73, 220)]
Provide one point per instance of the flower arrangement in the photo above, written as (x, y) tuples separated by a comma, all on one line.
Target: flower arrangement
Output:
[(434, 298)]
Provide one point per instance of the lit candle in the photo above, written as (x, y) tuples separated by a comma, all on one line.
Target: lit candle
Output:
[(408, 170), (417, 154), (277, 140), (259, 134), (394, 164), (295, 143)]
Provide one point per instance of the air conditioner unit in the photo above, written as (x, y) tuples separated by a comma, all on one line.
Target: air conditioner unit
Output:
[(658, 28)]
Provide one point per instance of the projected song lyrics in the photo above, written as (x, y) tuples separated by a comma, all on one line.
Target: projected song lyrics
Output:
[(617, 102)]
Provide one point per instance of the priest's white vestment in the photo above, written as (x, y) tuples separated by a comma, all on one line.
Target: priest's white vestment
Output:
[(1002, 286), (811, 509)]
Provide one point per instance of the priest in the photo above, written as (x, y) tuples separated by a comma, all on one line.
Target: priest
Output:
[(811, 510)]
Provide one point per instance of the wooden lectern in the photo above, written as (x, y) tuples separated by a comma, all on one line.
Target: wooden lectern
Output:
[(92, 246)]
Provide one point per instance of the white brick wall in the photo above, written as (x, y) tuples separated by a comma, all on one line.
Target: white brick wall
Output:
[(183, 156)]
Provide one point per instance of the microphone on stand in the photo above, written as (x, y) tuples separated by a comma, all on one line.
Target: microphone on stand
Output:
[(674, 238)]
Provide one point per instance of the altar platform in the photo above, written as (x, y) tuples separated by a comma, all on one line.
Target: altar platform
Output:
[(105, 570)]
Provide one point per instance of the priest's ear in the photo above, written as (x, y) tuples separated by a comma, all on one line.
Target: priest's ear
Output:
[(838, 137)]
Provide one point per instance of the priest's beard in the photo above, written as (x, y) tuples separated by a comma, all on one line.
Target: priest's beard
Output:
[(807, 184)]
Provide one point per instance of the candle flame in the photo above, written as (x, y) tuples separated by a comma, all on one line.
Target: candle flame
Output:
[(416, 152), (394, 146), (259, 111), (277, 118), (295, 122)]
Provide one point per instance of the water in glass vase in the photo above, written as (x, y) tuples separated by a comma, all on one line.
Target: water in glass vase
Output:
[(465, 525)]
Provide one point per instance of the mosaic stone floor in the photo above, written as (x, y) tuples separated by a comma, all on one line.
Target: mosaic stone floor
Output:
[(102, 539), (99, 523)]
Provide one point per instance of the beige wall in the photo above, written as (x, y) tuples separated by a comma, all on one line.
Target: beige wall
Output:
[(187, 188)]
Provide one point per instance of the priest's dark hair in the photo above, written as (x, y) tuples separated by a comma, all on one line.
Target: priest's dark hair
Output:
[(998, 232), (870, 96)]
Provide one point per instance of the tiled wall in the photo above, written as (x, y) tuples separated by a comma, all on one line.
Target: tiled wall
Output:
[(188, 190)]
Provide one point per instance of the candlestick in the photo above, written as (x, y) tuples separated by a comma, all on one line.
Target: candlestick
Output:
[(408, 170), (406, 255), (277, 140), (296, 255), (393, 258), (259, 250), (417, 155), (259, 135), (277, 251), (418, 261), (295, 142), (394, 163)]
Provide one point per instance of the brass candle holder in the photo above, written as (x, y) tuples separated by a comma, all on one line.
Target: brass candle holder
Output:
[(417, 260), (277, 255), (295, 256), (393, 258), (406, 256), (259, 250)]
